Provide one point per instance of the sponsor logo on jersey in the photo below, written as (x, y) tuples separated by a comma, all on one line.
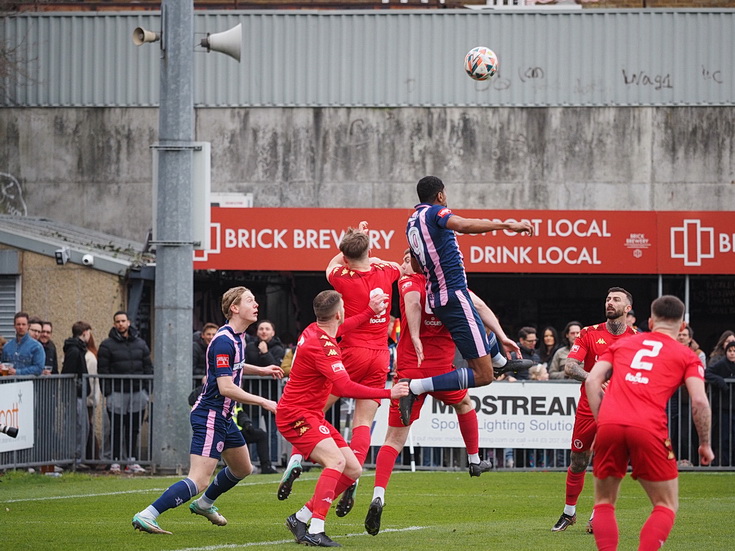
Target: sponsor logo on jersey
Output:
[(444, 212), (324, 430), (433, 322), (223, 361), (377, 319), (574, 348), (337, 367), (406, 285), (638, 378), (577, 444)]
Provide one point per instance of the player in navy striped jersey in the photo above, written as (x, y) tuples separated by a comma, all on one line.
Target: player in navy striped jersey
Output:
[(215, 435), (435, 253)]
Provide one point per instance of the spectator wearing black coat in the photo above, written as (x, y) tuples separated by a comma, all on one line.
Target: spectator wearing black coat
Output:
[(265, 350), (124, 353), (722, 392), (199, 351), (75, 349)]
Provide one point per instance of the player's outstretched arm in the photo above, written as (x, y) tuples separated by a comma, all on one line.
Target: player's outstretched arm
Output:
[(273, 370), (594, 384), (482, 225), (702, 417)]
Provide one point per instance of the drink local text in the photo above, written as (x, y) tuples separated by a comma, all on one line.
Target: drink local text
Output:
[(534, 255)]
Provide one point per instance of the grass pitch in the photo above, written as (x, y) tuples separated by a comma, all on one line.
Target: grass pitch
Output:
[(424, 510)]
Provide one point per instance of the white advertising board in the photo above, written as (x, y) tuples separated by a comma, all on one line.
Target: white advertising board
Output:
[(523, 414), (16, 410)]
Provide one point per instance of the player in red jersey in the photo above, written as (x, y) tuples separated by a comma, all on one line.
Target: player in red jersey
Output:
[(424, 335), (358, 277), (590, 344), (643, 372), (318, 370)]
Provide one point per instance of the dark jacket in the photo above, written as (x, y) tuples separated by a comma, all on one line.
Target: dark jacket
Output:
[(119, 355), (526, 354), (51, 357), (274, 356), (199, 356), (715, 375), (74, 361)]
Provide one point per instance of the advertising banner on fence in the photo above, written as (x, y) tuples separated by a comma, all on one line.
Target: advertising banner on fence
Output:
[(602, 242), (532, 415), (16, 410)]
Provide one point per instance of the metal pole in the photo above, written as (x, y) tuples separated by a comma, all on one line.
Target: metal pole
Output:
[(174, 287)]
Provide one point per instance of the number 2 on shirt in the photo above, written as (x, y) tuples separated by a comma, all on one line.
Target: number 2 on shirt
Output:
[(638, 362)]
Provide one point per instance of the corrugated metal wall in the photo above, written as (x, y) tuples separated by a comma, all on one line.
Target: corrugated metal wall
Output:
[(547, 58)]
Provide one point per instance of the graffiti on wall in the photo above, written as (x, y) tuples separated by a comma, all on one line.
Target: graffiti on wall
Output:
[(11, 196)]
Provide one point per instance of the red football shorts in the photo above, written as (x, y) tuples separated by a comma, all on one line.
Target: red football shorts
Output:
[(305, 432), (583, 434), (449, 397), (367, 366), (651, 456)]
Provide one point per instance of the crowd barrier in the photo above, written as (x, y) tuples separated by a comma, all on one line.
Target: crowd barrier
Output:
[(522, 425)]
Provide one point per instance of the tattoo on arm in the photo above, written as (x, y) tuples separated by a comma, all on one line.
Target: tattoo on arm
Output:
[(575, 370), (702, 417)]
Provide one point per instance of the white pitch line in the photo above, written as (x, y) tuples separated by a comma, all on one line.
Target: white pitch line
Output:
[(290, 540)]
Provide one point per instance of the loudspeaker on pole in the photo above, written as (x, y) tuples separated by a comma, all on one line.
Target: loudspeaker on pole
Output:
[(227, 42), (141, 36)]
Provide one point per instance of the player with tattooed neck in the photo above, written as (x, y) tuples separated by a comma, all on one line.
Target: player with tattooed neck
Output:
[(589, 346)]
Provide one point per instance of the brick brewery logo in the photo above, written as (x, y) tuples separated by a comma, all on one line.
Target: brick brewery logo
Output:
[(692, 242)]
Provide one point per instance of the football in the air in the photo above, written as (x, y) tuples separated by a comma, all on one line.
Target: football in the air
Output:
[(481, 63)]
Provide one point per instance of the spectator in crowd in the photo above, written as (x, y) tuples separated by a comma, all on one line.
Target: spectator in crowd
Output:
[(722, 395), (24, 352), (527, 343), (266, 350), (538, 372), (75, 362), (719, 350), (570, 334), (630, 321), (124, 353), (199, 351), (35, 326), (94, 399), (49, 347), (686, 337), (549, 345)]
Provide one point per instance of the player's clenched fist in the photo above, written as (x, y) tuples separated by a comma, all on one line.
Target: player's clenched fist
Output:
[(399, 390)]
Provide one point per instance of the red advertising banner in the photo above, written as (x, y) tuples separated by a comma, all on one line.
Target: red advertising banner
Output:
[(596, 242)]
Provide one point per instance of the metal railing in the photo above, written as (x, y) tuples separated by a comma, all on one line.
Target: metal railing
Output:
[(111, 423)]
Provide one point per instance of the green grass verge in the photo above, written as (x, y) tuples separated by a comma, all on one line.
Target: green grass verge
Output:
[(424, 510)]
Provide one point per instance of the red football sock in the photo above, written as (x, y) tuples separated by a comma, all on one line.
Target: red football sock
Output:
[(468, 428), (575, 484), (606, 527), (343, 483), (360, 442), (384, 465), (324, 493), (656, 529)]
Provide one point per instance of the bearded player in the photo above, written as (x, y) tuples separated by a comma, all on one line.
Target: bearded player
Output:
[(589, 346)]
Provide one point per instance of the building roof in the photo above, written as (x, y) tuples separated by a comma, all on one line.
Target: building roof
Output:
[(109, 253)]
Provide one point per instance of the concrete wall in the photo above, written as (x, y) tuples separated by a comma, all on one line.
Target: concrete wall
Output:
[(92, 167), (64, 295)]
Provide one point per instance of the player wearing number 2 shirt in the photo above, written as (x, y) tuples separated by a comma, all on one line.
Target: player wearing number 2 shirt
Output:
[(644, 371), (592, 342)]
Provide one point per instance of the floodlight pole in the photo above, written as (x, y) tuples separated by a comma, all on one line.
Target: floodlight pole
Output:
[(174, 285)]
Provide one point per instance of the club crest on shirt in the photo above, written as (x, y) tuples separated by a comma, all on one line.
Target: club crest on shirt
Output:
[(338, 366), (223, 361)]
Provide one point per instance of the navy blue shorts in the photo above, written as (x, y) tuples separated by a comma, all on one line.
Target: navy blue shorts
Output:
[(460, 317), (212, 433)]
